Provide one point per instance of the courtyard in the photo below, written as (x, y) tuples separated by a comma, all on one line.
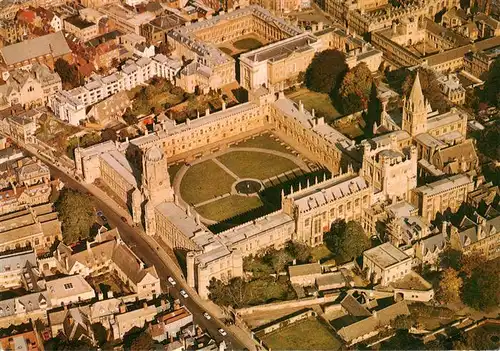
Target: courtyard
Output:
[(309, 334), (244, 44), (232, 182), (320, 102)]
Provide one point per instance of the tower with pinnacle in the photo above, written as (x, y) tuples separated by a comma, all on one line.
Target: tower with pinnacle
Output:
[(415, 110)]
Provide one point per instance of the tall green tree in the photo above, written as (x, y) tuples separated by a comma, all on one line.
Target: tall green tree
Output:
[(299, 251), (77, 215), (69, 74), (354, 92), (325, 70), (491, 87), (482, 290), (347, 240), (450, 285), (487, 142)]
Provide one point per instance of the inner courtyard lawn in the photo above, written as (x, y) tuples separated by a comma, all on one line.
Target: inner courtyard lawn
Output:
[(204, 181), (247, 44), (320, 102), (305, 335), (264, 141), (228, 207), (258, 165)]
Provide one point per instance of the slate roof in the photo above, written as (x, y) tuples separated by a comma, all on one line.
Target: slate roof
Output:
[(54, 44)]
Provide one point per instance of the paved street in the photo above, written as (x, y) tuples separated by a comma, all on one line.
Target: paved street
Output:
[(151, 254)]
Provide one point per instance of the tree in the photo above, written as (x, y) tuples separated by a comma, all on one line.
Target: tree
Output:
[(491, 87), (347, 240), (402, 322), (299, 251), (76, 213), (354, 92), (129, 117), (374, 111), (143, 342), (325, 70), (449, 286), (279, 260), (231, 294), (451, 258), (164, 48), (87, 140), (487, 142), (137, 339), (403, 340), (100, 333), (108, 134), (68, 73), (482, 290), (471, 261), (430, 88)]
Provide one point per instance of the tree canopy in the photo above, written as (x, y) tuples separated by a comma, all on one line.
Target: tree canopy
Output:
[(77, 215), (69, 74), (86, 140), (482, 290), (138, 339), (347, 240), (487, 141), (354, 92), (240, 293), (491, 87), (430, 88), (325, 71), (475, 280), (450, 285)]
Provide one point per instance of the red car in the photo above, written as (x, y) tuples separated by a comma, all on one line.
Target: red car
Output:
[(124, 220)]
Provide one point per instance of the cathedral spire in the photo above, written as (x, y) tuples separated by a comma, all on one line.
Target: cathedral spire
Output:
[(415, 110), (416, 94)]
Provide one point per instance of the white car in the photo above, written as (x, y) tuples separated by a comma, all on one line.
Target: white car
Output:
[(184, 294), (222, 332), (171, 281), (206, 315)]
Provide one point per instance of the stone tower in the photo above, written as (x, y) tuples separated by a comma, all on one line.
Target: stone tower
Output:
[(415, 110), (155, 185)]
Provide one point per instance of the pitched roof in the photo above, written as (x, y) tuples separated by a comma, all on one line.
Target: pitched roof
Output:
[(304, 269), (118, 253), (54, 44)]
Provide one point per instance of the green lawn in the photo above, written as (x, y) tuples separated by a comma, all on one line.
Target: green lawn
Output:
[(247, 44), (165, 97), (204, 181), (228, 207), (226, 50), (173, 169), (264, 141), (305, 335), (256, 165), (320, 102), (321, 253), (352, 130)]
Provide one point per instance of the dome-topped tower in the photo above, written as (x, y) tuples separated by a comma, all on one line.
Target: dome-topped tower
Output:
[(155, 178)]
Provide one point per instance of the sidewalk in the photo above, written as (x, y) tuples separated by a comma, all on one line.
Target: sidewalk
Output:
[(213, 309), (208, 305)]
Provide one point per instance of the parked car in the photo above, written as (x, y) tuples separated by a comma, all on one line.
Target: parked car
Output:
[(124, 220), (184, 294), (222, 332), (206, 315), (171, 281)]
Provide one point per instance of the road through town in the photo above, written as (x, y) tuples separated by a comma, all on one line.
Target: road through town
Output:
[(147, 250)]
